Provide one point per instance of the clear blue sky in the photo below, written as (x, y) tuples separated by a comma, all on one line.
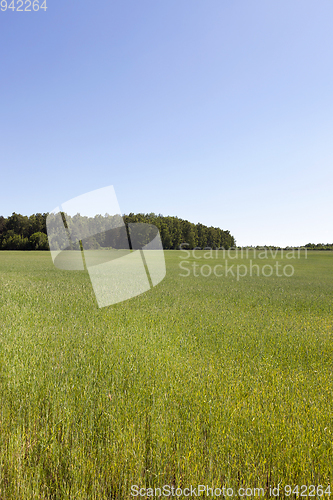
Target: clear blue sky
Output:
[(217, 111)]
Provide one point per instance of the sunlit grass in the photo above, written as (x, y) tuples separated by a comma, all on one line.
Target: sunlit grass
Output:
[(202, 380)]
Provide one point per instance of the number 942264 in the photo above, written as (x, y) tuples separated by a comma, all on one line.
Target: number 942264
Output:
[(23, 6)]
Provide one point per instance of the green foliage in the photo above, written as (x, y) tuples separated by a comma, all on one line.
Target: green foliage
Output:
[(39, 241), (200, 381), (174, 232), (16, 231), (19, 224), (319, 246), (12, 241)]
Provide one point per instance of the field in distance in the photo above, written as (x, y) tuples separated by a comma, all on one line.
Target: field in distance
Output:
[(208, 378)]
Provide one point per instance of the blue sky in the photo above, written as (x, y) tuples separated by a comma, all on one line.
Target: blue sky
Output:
[(219, 112)]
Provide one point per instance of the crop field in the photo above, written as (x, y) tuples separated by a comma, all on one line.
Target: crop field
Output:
[(204, 380)]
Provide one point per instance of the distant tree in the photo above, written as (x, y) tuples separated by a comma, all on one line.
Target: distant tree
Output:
[(166, 236), (91, 244), (37, 223), (177, 233), (190, 234), (2, 224), (202, 235), (39, 241), (19, 224), (12, 241)]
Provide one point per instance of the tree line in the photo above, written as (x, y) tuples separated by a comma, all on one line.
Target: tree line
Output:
[(319, 246), (20, 232), (175, 231)]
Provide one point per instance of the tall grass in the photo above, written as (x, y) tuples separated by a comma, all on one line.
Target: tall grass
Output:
[(202, 380)]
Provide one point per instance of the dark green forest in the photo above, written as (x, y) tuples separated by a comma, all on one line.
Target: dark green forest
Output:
[(20, 232)]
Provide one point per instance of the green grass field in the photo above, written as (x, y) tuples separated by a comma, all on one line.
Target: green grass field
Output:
[(202, 380)]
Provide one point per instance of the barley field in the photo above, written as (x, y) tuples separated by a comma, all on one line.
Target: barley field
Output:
[(212, 380)]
